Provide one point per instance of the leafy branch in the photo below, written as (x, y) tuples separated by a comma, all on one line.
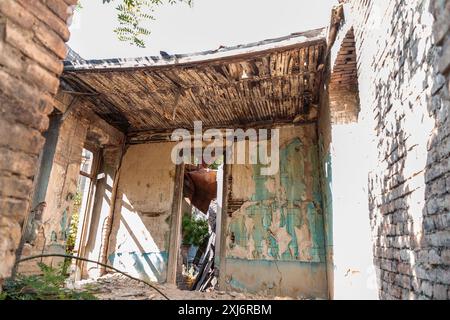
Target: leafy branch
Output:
[(195, 231), (132, 15)]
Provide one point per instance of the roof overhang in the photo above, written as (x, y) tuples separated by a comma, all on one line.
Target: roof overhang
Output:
[(266, 82)]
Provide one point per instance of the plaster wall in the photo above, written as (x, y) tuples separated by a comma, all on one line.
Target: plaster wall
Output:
[(140, 234), (275, 231)]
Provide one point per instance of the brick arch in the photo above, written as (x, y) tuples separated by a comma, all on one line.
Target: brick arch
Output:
[(343, 86)]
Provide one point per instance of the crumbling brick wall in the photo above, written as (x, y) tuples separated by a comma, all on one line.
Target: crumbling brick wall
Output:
[(403, 69), (343, 82), (32, 36)]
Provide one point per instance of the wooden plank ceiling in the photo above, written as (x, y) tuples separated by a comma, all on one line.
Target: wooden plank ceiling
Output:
[(272, 85)]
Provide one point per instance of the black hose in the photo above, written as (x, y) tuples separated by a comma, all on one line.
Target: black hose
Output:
[(93, 261)]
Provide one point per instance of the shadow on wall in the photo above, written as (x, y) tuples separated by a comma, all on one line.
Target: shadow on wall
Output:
[(409, 199), (139, 239), (135, 249), (100, 214)]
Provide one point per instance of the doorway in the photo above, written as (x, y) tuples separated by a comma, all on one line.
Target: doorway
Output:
[(81, 210), (200, 209)]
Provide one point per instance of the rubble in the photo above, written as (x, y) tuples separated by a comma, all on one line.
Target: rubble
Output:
[(115, 286)]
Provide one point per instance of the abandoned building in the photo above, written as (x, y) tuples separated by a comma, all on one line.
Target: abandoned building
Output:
[(361, 200)]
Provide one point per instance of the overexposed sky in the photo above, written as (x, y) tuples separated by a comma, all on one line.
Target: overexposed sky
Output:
[(207, 25)]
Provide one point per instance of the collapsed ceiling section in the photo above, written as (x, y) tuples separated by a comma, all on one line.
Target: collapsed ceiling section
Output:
[(272, 81)]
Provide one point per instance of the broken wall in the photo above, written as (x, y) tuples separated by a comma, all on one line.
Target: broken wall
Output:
[(403, 64), (139, 241), (48, 223), (32, 36), (325, 170), (48, 227), (344, 142), (95, 240), (274, 224)]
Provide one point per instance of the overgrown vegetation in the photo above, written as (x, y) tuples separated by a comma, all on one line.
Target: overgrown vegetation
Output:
[(195, 231), (73, 229), (217, 163), (133, 14), (47, 286)]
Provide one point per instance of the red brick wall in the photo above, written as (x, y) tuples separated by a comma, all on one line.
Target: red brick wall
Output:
[(32, 44), (343, 87)]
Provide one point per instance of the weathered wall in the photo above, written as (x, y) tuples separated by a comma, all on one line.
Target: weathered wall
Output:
[(343, 85), (139, 239), (403, 63), (52, 207), (325, 171), (275, 231), (344, 142), (51, 227), (32, 36), (95, 234)]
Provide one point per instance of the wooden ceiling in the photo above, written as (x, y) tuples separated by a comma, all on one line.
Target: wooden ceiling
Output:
[(268, 82)]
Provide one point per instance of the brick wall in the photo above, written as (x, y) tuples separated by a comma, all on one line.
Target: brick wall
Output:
[(32, 36), (403, 68), (343, 84)]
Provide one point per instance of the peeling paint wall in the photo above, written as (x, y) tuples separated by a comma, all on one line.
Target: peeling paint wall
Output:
[(51, 229), (324, 140), (48, 223), (139, 240), (275, 232), (327, 205)]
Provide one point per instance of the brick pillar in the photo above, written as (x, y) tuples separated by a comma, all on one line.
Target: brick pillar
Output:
[(32, 44)]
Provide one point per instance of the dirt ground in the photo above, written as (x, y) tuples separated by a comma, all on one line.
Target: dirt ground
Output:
[(115, 286)]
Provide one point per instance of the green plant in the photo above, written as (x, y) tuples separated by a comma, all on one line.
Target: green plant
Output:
[(195, 231), (47, 286), (70, 244), (73, 229), (217, 163), (132, 14)]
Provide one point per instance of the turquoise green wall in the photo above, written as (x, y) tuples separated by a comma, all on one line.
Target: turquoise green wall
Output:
[(281, 224)]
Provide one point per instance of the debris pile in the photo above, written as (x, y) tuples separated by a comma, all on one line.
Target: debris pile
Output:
[(115, 286)]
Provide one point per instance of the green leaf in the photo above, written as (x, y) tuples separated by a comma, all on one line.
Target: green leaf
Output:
[(133, 14), (49, 285)]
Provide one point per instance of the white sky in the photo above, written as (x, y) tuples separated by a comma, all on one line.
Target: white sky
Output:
[(207, 25)]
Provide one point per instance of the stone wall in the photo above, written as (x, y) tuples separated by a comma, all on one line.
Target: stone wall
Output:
[(32, 36), (403, 63)]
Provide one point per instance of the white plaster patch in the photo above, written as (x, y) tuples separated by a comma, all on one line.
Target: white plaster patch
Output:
[(304, 242), (280, 233)]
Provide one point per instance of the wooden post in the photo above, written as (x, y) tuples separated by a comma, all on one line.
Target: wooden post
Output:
[(175, 227), (223, 226)]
